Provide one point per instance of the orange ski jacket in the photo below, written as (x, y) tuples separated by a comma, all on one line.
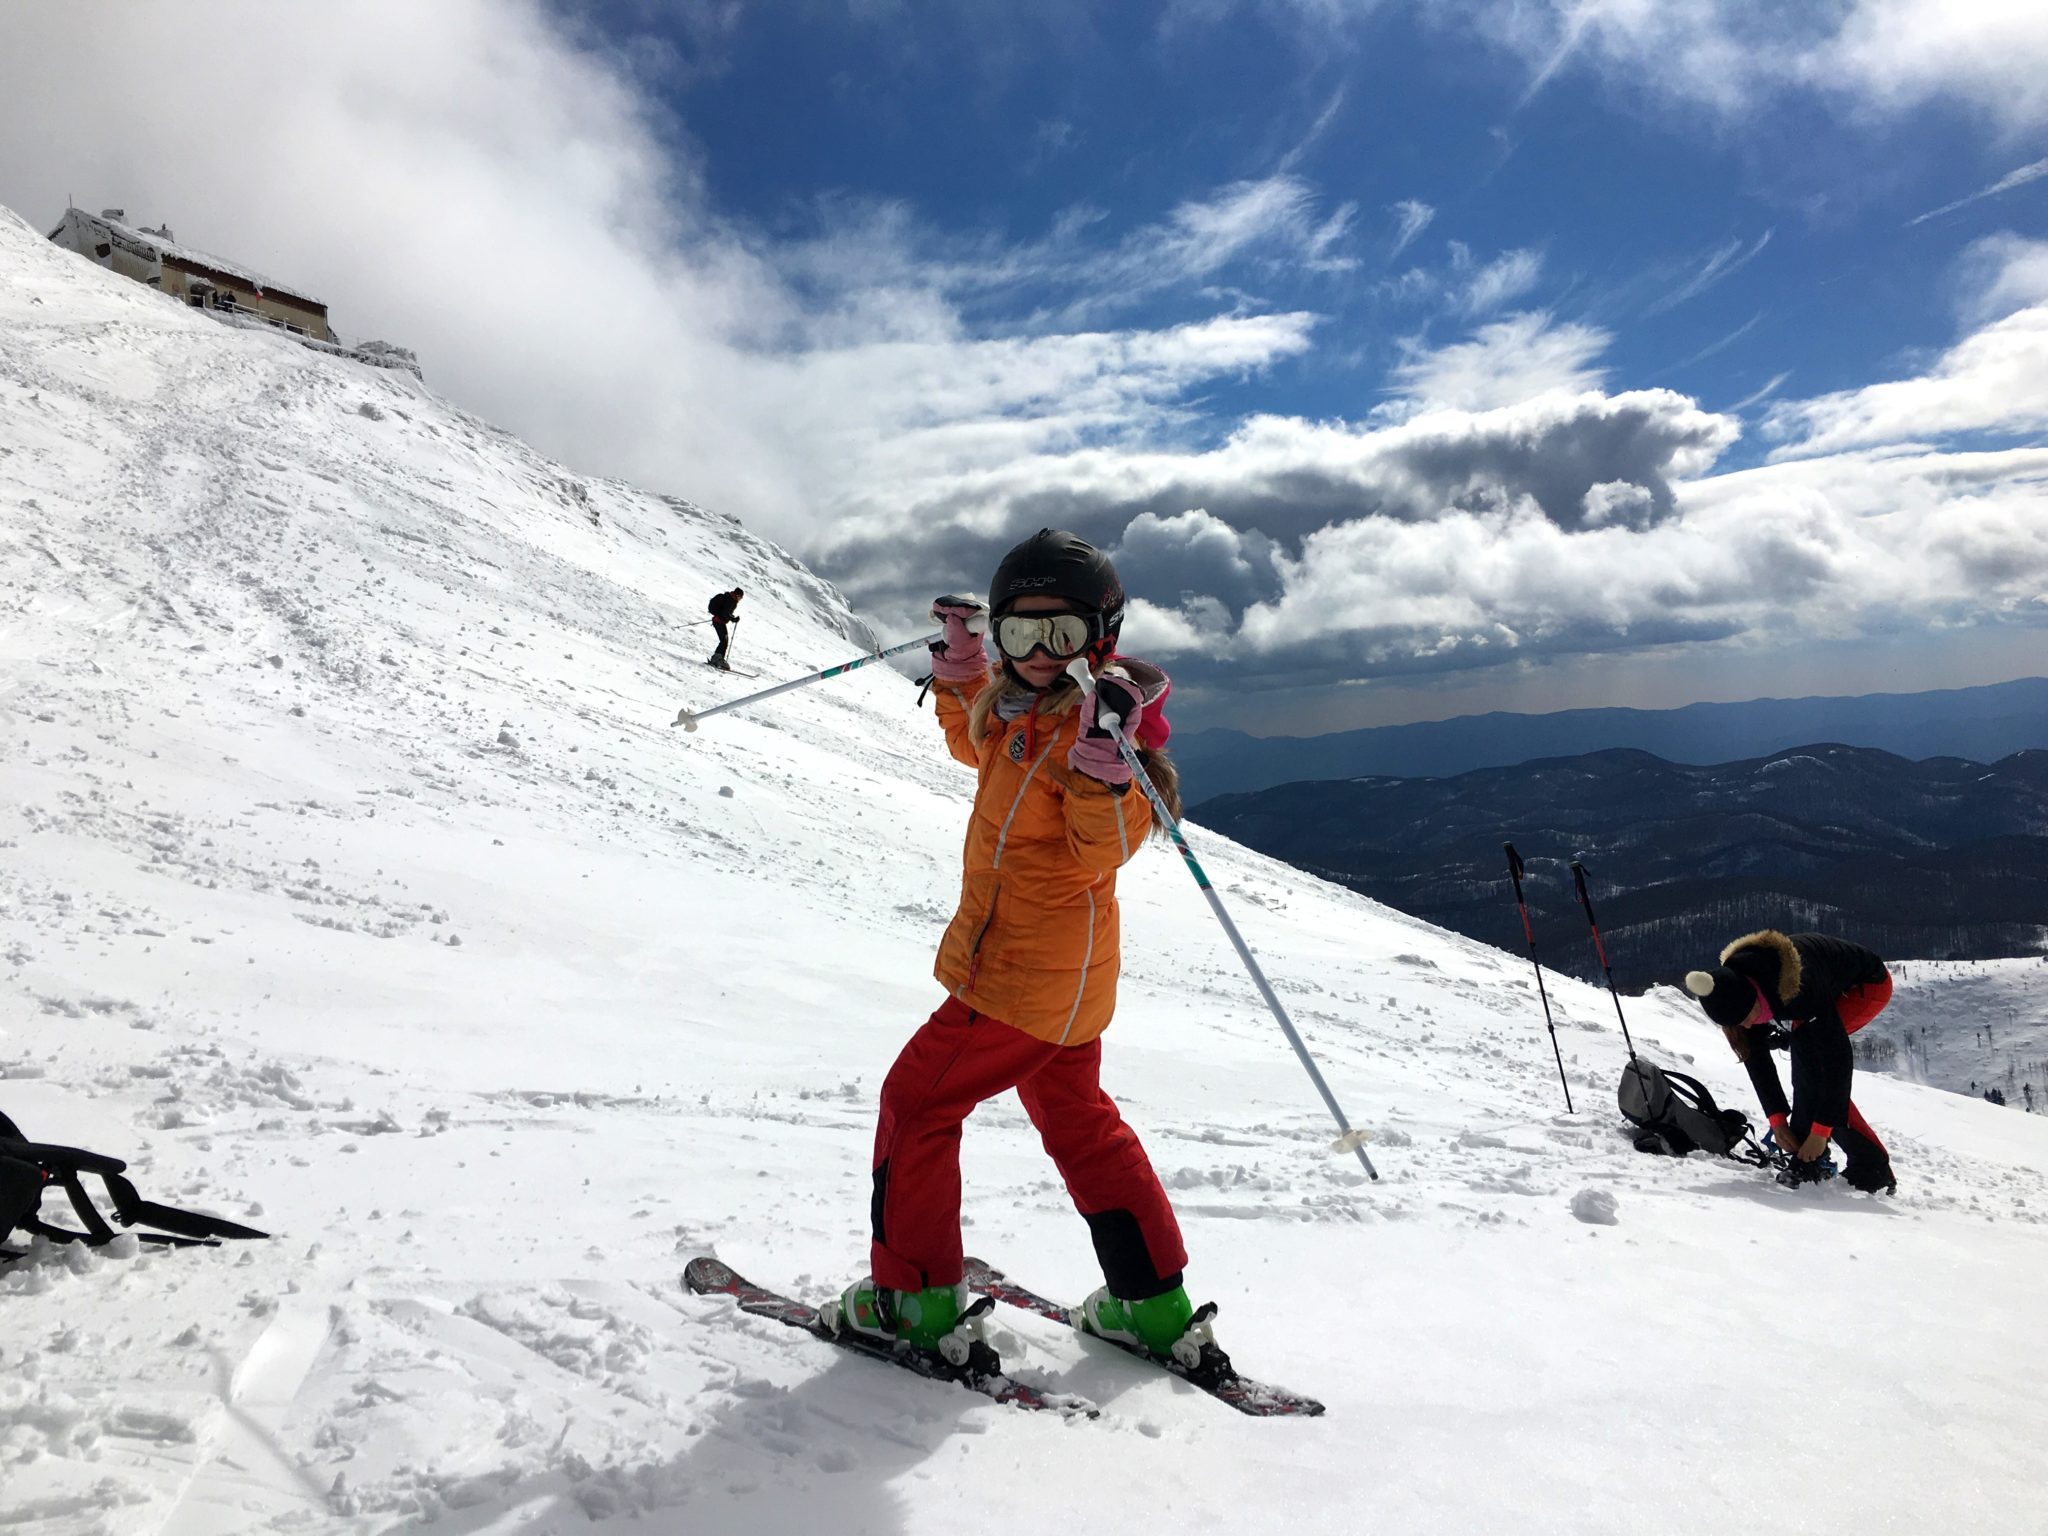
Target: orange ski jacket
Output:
[(1035, 941)]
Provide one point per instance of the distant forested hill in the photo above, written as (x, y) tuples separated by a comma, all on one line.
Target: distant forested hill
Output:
[(1942, 859)]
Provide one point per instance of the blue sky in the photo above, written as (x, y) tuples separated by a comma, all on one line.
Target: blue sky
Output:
[(1719, 255), (1414, 359)]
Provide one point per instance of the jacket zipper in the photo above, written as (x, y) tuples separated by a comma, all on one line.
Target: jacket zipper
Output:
[(996, 891)]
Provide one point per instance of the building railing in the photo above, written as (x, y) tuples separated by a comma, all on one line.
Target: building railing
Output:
[(376, 354)]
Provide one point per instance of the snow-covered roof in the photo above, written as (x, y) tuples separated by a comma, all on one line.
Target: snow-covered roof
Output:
[(165, 246)]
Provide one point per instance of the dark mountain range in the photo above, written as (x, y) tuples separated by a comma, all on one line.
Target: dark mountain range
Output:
[(1943, 858), (1984, 724)]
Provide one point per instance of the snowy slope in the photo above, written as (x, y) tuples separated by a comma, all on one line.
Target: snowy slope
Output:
[(1967, 1026), (355, 883)]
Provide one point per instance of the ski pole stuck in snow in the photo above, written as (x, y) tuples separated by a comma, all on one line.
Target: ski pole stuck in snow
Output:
[(1515, 873), (1351, 1140), (1600, 949), (688, 719)]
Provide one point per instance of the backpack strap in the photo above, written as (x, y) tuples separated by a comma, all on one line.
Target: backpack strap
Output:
[(64, 1165)]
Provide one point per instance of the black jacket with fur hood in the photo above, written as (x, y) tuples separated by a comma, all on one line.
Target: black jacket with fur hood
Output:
[(1803, 977)]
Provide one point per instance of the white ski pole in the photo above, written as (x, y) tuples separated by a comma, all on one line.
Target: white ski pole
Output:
[(1350, 1141), (688, 719)]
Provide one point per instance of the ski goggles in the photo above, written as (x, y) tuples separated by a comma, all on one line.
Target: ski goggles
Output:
[(1059, 635)]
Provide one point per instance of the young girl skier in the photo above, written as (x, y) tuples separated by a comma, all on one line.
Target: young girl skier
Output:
[(1030, 959)]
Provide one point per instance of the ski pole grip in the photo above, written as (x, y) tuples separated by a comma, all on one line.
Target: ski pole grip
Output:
[(1579, 880), (1077, 669), (1514, 867)]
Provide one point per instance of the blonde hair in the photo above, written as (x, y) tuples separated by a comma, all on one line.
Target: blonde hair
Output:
[(1056, 704)]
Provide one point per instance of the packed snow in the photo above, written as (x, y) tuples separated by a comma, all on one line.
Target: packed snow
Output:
[(354, 883)]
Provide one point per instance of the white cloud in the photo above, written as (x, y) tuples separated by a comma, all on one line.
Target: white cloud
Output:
[(1995, 380), (1724, 262), (2006, 183), (1501, 281), (869, 247), (1722, 344), (1212, 526), (462, 177), (1769, 388), (466, 178), (1212, 567), (1992, 54), (1411, 218), (1509, 361), (1869, 57), (1464, 287), (1475, 289), (1622, 503), (1824, 550), (2002, 273)]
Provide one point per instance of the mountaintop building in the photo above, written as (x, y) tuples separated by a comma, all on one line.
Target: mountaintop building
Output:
[(225, 288), (155, 257)]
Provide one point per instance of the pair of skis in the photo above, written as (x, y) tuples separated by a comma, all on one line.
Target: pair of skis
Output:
[(1212, 1373)]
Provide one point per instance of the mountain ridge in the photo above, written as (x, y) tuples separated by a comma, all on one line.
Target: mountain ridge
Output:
[(1941, 858), (1983, 722)]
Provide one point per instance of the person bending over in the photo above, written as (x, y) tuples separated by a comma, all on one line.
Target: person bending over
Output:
[(1804, 993)]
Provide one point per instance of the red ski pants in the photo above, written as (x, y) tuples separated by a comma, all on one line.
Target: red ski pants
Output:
[(1859, 1005), (958, 1058)]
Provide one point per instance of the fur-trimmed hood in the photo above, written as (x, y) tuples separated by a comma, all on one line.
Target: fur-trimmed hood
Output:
[(1769, 959)]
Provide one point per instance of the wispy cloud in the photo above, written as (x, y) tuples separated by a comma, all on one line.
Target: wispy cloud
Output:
[(1863, 58), (1323, 242), (2005, 183), (1051, 139), (1992, 382), (1076, 274), (1757, 397), (1411, 219), (1464, 288), (1487, 287), (1999, 274), (1713, 348), (1316, 130), (1567, 44), (1720, 264)]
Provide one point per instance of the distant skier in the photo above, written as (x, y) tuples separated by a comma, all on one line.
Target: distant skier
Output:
[(1807, 993), (1031, 957), (724, 615)]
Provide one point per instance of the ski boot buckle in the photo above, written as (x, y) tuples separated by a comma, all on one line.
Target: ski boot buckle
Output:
[(1197, 1355), (965, 1349)]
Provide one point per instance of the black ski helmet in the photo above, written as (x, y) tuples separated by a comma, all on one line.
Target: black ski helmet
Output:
[(1055, 563)]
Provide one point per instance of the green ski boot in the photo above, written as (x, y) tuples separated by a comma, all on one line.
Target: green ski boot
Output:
[(937, 1318), (1164, 1326)]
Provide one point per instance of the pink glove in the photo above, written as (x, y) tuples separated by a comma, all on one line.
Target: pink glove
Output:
[(1135, 692), (959, 657)]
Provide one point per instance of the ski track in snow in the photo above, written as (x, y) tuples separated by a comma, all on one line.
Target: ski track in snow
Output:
[(354, 883)]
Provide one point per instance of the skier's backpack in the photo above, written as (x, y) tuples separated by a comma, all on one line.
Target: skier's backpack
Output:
[(1677, 1115), (27, 1168), (21, 1191)]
